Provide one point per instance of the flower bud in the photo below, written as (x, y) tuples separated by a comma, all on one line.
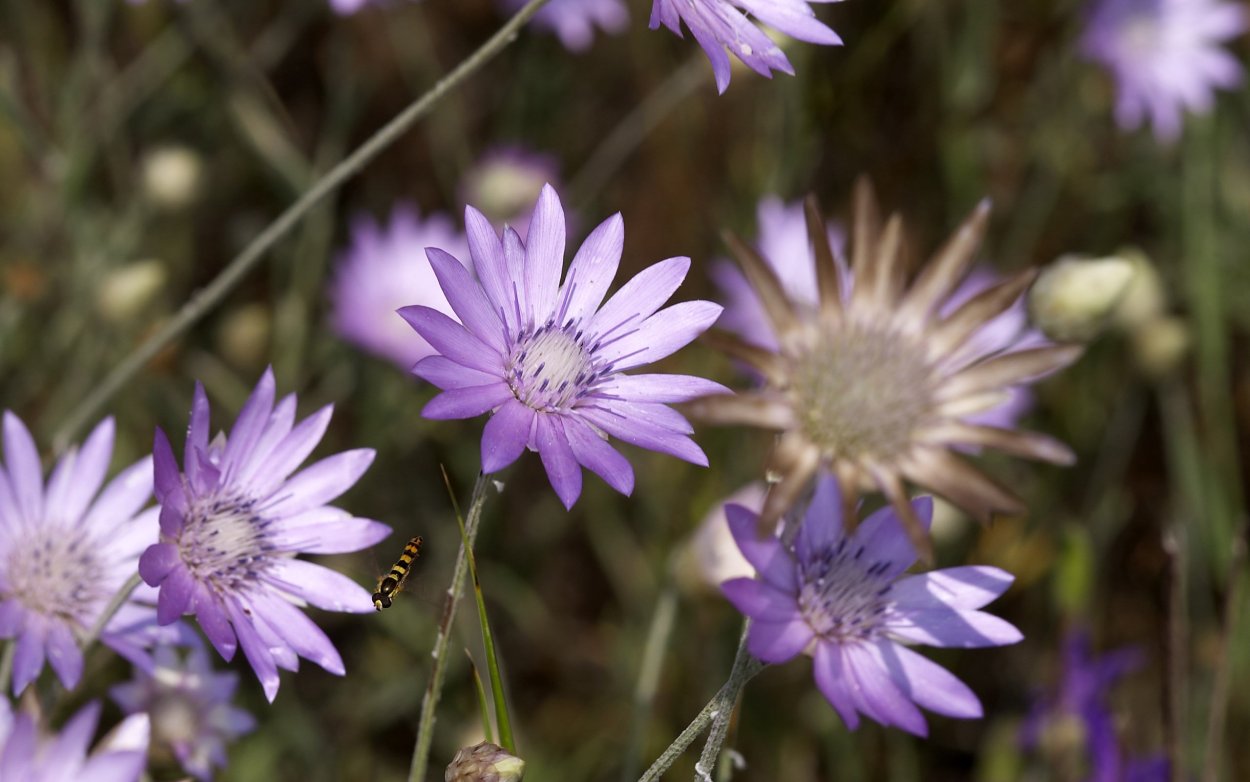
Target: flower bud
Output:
[(125, 291), (172, 175), (1144, 299), (485, 762), (1073, 297), (1160, 344)]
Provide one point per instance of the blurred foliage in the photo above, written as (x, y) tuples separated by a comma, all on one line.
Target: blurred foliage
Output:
[(942, 103)]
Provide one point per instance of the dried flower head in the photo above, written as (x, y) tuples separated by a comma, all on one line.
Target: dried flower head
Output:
[(876, 383), (484, 762)]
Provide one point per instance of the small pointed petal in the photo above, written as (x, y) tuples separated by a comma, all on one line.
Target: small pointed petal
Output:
[(877, 286), (770, 365), (929, 684), (452, 339), (467, 299), (777, 642), (663, 389), (468, 402), (764, 281), (506, 434), (250, 424), (638, 299), (952, 333), (661, 335), (544, 254), (487, 253), (593, 268), (961, 483), (865, 229), (595, 454), (562, 468), (834, 680), (1008, 370), (1029, 445), (25, 472), (827, 277), (967, 587), (944, 271), (760, 409), (800, 468)]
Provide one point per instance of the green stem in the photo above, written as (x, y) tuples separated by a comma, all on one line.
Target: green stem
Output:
[(706, 767), (6, 665), (744, 669), (661, 629), (110, 610), (212, 295), (425, 730)]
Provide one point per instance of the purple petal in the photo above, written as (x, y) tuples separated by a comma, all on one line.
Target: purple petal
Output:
[(324, 588), (64, 655), (544, 254), (766, 555), (928, 683), (158, 562), (446, 374), (662, 334), (249, 426), (326, 530), (25, 472), (517, 305), (506, 435), (645, 434), (882, 535), (214, 620), (322, 481), (777, 642), (255, 650), (468, 402), (122, 497), (175, 597), (12, 616), (761, 600), (79, 475), (274, 432), (488, 261), (302, 634), (562, 468), (877, 689), (958, 587), (593, 268), (293, 450), (594, 453), (167, 477), (28, 659), (645, 412), (950, 628), (70, 746), (638, 298), (795, 20), (171, 521), (197, 429), (467, 299), (833, 679), (822, 527), (660, 388), (452, 339)]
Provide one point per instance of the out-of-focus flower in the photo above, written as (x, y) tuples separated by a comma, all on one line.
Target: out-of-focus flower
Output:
[(484, 762), (574, 21), (878, 383), (233, 520), (844, 601), (711, 556), (505, 183), (784, 246), (385, 268), (1074, 297), (1075, 724), (548, 362), (242, 336), (127, 290), (190, 707), (722, 24), (1165, 57), (172, 176), (67, 548), (29, 754)]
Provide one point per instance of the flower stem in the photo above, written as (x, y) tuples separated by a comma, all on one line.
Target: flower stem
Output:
[(110, 610), (6, 665), (425, 729), (661, 629), (720, 721), (212, 295), (744, 669)]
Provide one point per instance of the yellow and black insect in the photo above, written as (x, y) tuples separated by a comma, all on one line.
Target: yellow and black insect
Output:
[(393, 583)]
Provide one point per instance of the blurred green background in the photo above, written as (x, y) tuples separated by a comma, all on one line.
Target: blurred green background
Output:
[(941, 103)]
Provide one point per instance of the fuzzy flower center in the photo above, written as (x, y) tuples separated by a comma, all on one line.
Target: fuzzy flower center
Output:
[(550, 368), (223, 541), (862, 392), (57, 573), (845, 595)]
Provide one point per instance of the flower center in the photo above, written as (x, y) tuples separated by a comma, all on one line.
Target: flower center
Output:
[(844, 596), (224, 542), (56, 573), (862, 392), (550, 368)]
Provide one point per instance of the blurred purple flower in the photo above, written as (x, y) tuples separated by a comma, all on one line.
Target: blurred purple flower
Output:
[(547, 361), (232, 523), (722, 24), (190, 707), (784, 245), (1084, 695), (1165, 57), (505, 182), (574, 21), (29, 754), (844, 601), (67, 548), (385, 268)]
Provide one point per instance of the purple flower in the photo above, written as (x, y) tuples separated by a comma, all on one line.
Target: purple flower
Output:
[(66, 549), (385, 268), (232, 522), (1165, 57), (845, 601), (722, 24), (547, 361), (504, 183), (29, 754), (190, 706), (1083, 695), (574, 21)]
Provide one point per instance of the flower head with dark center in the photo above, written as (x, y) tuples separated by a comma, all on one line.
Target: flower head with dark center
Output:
[(547, 361), (720, 25), (233, 520), (67, 548), (1165, 57), (29, 754), (845, 601), (880, 382)]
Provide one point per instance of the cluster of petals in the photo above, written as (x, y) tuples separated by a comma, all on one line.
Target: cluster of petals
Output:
[(66, 548), (233, 519), (844, 600), (1165, 57), (720, 25), (29, 754), (547, 361)]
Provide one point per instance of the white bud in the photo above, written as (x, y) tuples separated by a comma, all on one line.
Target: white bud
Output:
[(1073, 297), (243, 336), (1144, 299), (171, 176), (1160, 344), (126, 290)]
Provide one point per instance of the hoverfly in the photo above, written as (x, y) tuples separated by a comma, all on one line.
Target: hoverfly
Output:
[(393, 583)]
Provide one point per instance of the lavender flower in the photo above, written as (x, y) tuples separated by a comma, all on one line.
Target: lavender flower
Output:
[(844, 601), (190, 706), (574, 21), (385, 268), (547, 361), (722, 24), (1165, 57), (504, 183), (31, 755), (232, 522), (67, 548), (1083, 698)]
